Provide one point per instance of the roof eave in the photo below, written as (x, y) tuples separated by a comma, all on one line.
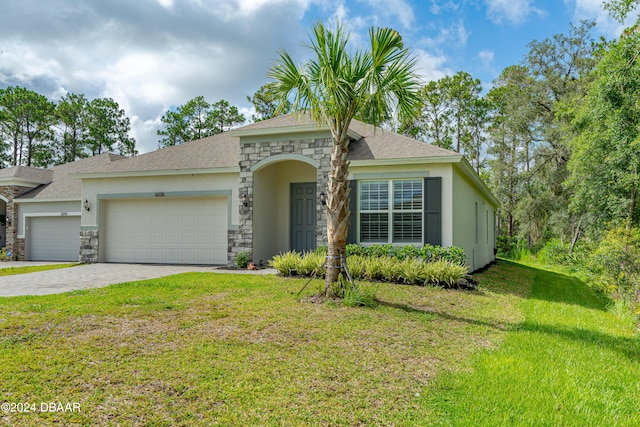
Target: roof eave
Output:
[(407, 161), (23, 182), (47, 200), (159, 172)]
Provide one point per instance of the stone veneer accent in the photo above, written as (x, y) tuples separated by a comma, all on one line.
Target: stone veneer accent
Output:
[(88, 246), (252, 153), (14, 244)]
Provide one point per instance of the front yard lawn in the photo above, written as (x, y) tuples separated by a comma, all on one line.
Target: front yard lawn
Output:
[(10, 271), (223, 349)]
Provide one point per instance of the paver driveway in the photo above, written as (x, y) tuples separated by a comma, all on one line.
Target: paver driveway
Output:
[(91, 276)]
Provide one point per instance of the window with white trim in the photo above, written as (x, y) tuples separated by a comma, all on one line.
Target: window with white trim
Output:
[(391, 211)]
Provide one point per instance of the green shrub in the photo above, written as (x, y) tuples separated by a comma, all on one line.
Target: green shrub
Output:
[(353, 295), (442, 272), (312, 263), (615, 265), (429, 265), (339, 287), (353, 249), (389, 269), (387, 250), (287, 264), (356, 264), (408, 251), (427, 252), (410, 270), (373, 268), (3, 255), (557, 252), (452, 254), (554, 252), (322, 250), (242, 259), (512, 247), (359, 296)]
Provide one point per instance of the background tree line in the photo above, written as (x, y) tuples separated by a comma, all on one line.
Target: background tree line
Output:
[(35, 131), (198, 118), (557, 137)]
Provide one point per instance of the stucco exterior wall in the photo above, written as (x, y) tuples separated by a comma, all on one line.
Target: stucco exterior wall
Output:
[(473, 222), (146, 186), (58, 208)]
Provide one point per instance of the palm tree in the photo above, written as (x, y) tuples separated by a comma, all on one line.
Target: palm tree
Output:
[(333, 88)]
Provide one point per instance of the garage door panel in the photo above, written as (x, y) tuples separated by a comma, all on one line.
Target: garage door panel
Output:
[(158, 221), (180, 231), (54, 238), (158, 238)]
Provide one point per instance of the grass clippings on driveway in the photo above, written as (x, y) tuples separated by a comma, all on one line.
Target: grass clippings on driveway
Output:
[(239, 350)]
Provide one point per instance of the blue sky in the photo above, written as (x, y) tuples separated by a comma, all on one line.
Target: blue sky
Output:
[(151, 55)]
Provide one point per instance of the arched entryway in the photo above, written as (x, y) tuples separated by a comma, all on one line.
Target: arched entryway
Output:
[(285, 206)]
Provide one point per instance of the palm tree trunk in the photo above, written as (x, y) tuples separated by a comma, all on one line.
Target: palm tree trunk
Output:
[(337, 214)]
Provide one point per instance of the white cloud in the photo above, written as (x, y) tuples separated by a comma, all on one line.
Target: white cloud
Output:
[(167, 4), (486, 56), (454, 35), (396, 8), (147, 56), (513, 11), (431, 67), (593, 10), (438, 6), (341, 14)]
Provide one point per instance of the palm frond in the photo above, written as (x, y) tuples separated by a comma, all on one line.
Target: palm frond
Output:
[(337, 85)]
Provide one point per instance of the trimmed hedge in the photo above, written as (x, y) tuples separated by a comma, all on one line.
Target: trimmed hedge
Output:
[(426, 252), (430, 265)]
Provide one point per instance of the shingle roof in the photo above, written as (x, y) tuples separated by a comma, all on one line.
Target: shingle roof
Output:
[(61, 185), (217, 151), (223, 150), (375, 144), (380, 144), (26, 173)]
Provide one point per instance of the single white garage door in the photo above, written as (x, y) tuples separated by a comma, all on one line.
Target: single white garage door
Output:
[(53, 238), (165, 230)]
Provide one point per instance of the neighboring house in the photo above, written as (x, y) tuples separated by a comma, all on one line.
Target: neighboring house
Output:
[(255, 189), (42, 207)]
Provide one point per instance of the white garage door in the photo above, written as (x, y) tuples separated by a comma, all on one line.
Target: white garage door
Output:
[(166, 230), (54, 238)]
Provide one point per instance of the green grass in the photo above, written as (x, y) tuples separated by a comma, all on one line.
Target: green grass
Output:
[(217, 349), (569, 363), (10, 271)]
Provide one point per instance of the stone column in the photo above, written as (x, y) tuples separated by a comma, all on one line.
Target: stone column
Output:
[(13, 245), (88, 246)]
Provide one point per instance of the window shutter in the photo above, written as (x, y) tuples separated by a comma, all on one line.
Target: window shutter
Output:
[(352, 233), (432, 211)]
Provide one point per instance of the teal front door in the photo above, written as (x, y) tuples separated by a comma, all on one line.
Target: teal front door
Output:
[(303, 216)]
